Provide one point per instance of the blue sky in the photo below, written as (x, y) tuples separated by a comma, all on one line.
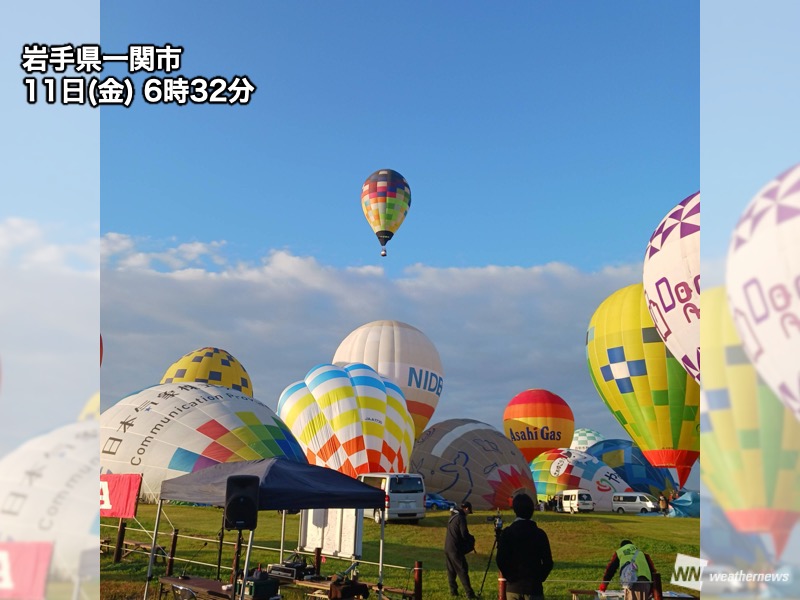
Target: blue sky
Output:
[(543, 142)]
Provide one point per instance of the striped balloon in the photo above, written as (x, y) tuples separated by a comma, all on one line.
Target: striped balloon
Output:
[(538, 420), (349, 419)]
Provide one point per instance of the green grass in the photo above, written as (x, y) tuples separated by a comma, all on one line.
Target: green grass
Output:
[(581, 544)]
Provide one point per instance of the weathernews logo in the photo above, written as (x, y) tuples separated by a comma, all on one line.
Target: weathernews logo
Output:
[(688, 571)]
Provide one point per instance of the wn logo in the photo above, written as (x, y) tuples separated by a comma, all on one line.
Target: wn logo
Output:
[(688, 571)]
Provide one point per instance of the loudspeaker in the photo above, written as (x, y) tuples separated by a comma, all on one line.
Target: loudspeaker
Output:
[(241, 502)]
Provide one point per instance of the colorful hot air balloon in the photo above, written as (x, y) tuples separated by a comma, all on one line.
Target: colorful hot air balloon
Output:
[(538, 420), (645, 387), (49, 491), (629, 462), (385, 200), (403, 354), (762, 275), (349, 419), (584, 437), (563, 469), (671, 278), (751, 442), (176, 428), (466, 460), (210, 365)]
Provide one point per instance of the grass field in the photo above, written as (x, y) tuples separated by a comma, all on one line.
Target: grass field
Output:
[(582, 545)]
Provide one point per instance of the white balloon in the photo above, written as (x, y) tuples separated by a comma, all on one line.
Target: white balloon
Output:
[(49, 493), (403, 354), (762, 281), (671, 278), (172, 429)]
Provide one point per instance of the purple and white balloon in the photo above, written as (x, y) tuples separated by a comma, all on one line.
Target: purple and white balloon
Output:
[(762, 281), (671, 279)]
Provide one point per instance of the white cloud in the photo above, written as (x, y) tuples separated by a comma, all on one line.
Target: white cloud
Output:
[(49, 327), (499, 330)]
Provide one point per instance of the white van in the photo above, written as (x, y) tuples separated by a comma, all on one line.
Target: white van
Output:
[(579, 500), (405, 496), (633, 502)]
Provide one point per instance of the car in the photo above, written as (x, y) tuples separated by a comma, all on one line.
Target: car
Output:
[(437, 502)]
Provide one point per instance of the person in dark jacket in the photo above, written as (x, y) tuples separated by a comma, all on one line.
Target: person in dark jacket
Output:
[(523, 553), (459, 542), (626, 553)]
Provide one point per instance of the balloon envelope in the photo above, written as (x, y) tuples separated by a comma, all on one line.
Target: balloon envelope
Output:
[(349, 419), (630, 464), (210, 365), (751, 442), (537, 420), (584, 437), (176, 428), (385, 200), (564, 469), (644, 386), (49, 490), (761, 278), (466, 460), (403, 354), (671, 278)]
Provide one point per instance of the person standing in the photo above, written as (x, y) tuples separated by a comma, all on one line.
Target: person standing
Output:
[(523, 553), (663, 505), (644, 569), (459, 542)]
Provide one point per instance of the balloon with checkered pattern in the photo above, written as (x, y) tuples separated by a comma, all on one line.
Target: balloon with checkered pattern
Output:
[(385, 200), (210, 365), (644, 386)]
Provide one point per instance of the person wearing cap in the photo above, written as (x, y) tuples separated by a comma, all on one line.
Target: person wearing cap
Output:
[(523, 553), (626, 553), (458, 542)]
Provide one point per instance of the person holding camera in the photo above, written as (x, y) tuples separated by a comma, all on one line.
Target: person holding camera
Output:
[(459, 542), (523, 553)]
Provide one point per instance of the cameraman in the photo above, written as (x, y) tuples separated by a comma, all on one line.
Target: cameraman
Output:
[(523, 553), (459, 542)]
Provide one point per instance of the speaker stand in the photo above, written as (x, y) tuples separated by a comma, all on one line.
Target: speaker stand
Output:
[(246, 562)]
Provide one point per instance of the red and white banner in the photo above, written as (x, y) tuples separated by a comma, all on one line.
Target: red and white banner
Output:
[(23, 569), (119, 495)]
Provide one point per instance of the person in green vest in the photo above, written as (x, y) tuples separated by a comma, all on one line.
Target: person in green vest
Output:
[(636, 571)]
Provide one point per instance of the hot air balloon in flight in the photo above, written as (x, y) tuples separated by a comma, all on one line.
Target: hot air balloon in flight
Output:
[(563, 469), (403, 354), (469, 461), (349, 419), (210, 365), (385, 200), (584, 437), (629, 462), (538, 420), (761, 278), (645, 387), (671, 278), (172, 429), (751, 442)]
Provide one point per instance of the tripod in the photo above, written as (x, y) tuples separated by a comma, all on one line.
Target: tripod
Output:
[(489, 562)]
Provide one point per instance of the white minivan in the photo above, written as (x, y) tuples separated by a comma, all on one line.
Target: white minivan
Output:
[(405, 496), (633, 502), (579, 500)]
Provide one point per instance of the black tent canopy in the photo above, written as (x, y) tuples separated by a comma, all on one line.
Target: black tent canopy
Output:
[(285, 485)]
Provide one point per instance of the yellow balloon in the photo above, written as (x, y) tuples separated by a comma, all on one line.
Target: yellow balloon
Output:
[(642, 383), (210, 365)]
